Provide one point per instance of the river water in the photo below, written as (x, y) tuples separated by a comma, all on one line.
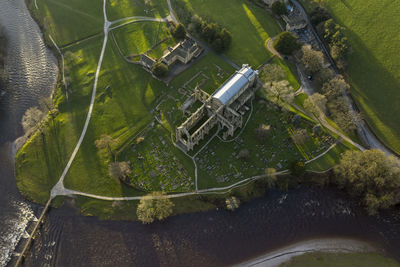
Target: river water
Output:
[(208, 238)]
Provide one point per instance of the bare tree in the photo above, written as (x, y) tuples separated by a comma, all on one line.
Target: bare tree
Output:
[(279, 92), (262, 132), (107, 142), (312, 59), (272, 73), (154, 206), (315, 104), (271, 177), (335, 87), (119, 170), (300, 136), (31, 121)]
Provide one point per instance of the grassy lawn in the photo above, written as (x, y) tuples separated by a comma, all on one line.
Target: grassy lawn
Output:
[(250, 26), (374, 64), (328, 160), (138, 37), (118, 9), (71, 20), (210, 71), (40, 162), (125, 96), (341, 259)]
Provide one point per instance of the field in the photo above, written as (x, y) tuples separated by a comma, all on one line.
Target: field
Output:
[(139, 37), (374, 65), (249, 25), (341, 259), (142, 113)]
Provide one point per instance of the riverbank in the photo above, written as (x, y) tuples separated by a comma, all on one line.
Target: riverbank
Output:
[(282, 256)]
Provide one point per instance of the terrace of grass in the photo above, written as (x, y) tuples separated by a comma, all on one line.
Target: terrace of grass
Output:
[(372, 28), (117, 9), (68, 21), (249, 25), (335, 259), (138, 37)]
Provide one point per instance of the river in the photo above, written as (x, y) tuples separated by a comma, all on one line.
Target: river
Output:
[(208, 238)]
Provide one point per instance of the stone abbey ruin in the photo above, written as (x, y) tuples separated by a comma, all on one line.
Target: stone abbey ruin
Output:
[(225, 108)]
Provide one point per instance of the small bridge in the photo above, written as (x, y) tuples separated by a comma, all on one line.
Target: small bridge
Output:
[(27, 246)]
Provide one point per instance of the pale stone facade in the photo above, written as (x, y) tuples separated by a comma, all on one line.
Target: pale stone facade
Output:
[(224, 107)]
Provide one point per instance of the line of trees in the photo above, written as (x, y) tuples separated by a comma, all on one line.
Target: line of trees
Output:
[(217, 36)]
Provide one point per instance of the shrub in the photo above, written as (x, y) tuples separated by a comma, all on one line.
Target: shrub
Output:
[(160, 69), (371, 175), (262, 132), (297, 168), (286, 43), (179, 32), (244, 154), (319, 14), (279, 8)]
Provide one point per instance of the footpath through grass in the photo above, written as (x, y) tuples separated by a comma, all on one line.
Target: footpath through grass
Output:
[(374, 65)]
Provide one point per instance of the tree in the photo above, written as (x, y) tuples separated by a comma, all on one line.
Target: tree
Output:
[(312, 59), (225, 37), (119, 170), (271, 177), (272, 73), (372, 176), (262, 132), (217, 45), (315, 104), (154, 206), (279, 8), (160, 69), (335, 87), (319, 14), (107, 142), (300, 136), (286, 43), (297, 168), (279, 92), (209, 31), (232, 203), (244, 154), (31, 121), (179, 32), (322, 76)]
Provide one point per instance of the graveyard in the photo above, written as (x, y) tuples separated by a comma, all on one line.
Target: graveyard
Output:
[(141, 113)]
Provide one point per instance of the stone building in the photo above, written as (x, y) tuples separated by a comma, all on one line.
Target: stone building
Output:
[(184, 51), (225, 107), (147, 62)]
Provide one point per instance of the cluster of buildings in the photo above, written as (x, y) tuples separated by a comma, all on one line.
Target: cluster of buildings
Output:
[(224, 108), (182, 52)]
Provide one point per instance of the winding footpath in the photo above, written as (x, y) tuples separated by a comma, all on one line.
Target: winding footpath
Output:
[(60, 190)]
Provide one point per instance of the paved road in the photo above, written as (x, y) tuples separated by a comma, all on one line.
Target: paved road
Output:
[(364, 131)]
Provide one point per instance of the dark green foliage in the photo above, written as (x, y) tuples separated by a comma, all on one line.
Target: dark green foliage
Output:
[(179, 32), (279, 8), (319, 14), (297, 168), (218, 37), (286, 43), (160, 69), (371, 175), (333, 35)]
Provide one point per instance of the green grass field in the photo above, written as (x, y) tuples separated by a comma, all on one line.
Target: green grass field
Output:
[(68, 21), (374, 65), (118, 9), (325, 259), (250, 26), (125, 108), (138, 37)]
